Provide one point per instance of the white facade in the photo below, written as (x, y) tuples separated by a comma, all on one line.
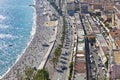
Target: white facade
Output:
[(70, 5)]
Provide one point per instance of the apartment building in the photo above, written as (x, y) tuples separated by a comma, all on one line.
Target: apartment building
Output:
[(114, 37), (114, 64), (80, 62)]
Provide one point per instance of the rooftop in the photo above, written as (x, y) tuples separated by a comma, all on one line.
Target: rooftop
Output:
[(105, 50), (80, 67), (109, 7), (117, 6), (115, 74), (118, 43), (101, 39), (70, 1), (116, 55), (51, 23), (115, 33), (81, 46), (118, 16)]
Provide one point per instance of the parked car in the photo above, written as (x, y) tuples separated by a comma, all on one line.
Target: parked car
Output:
[(91, 56), (92, 60)]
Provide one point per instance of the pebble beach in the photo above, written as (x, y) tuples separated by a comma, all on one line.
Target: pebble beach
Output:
[(34, 52)]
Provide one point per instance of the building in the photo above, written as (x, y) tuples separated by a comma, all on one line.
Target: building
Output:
[(80, 62), (70, 7), (84, 8), (77, 5), (104, 51), (117, 8), (114, 36), (108, 11), (117, 20), (114, 64)]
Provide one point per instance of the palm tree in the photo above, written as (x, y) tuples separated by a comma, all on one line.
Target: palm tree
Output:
[(29, 72), (42, 75), (54, 61)]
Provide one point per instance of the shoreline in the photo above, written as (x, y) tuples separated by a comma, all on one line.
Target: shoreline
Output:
[(34, 53), (32, 35)]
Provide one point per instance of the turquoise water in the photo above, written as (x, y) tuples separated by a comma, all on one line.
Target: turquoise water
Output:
[(16, 20)]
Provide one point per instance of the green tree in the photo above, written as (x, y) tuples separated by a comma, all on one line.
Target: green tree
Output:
[(29, 72), (107, 25), (42, 75), (92, 39), (101, 18), (54, 61), (71, 70)]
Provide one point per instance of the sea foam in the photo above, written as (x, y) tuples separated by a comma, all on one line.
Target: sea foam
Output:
[(6, 36), (2, 17), (3, 26)]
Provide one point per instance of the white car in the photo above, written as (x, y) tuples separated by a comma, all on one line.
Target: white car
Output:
[(103, 67), (91, 56)]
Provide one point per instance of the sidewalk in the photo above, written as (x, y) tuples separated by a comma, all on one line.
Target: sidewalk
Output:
[(41, 66)]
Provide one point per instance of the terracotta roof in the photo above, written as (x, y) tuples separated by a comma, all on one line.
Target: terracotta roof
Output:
[(98, 2), (109, 7), (116, 72), (105, 50), (118, 43), (115, 33), (116, 56), (118, 16), (80, 67), (117, 6)]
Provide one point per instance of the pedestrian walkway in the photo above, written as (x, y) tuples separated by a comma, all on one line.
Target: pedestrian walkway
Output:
[(41, 66)]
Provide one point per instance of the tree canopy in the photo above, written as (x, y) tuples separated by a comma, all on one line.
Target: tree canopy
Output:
[(42, 75), (32, 74)]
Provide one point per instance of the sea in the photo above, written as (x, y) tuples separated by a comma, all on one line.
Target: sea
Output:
[(16, 22)]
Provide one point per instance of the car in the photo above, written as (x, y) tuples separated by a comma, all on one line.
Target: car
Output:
[(99, 65), (91, 56), (67, 40), (92, 60), (63, 67), (100, 62), (95, 50), (94, 69), (45, 44), (103, 68), (66, 47), (66, 53), (93, 75), (66, 44), (103, 65), (59, 70), (64, 58), (99, 59), (105, 72)]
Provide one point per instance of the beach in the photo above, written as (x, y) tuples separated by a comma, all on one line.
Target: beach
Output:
[(34, 52)]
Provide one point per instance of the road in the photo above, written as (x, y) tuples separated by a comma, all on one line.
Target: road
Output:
[(62, 66), (94, 66), (87, 52), (49, 65), (97, 68)]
